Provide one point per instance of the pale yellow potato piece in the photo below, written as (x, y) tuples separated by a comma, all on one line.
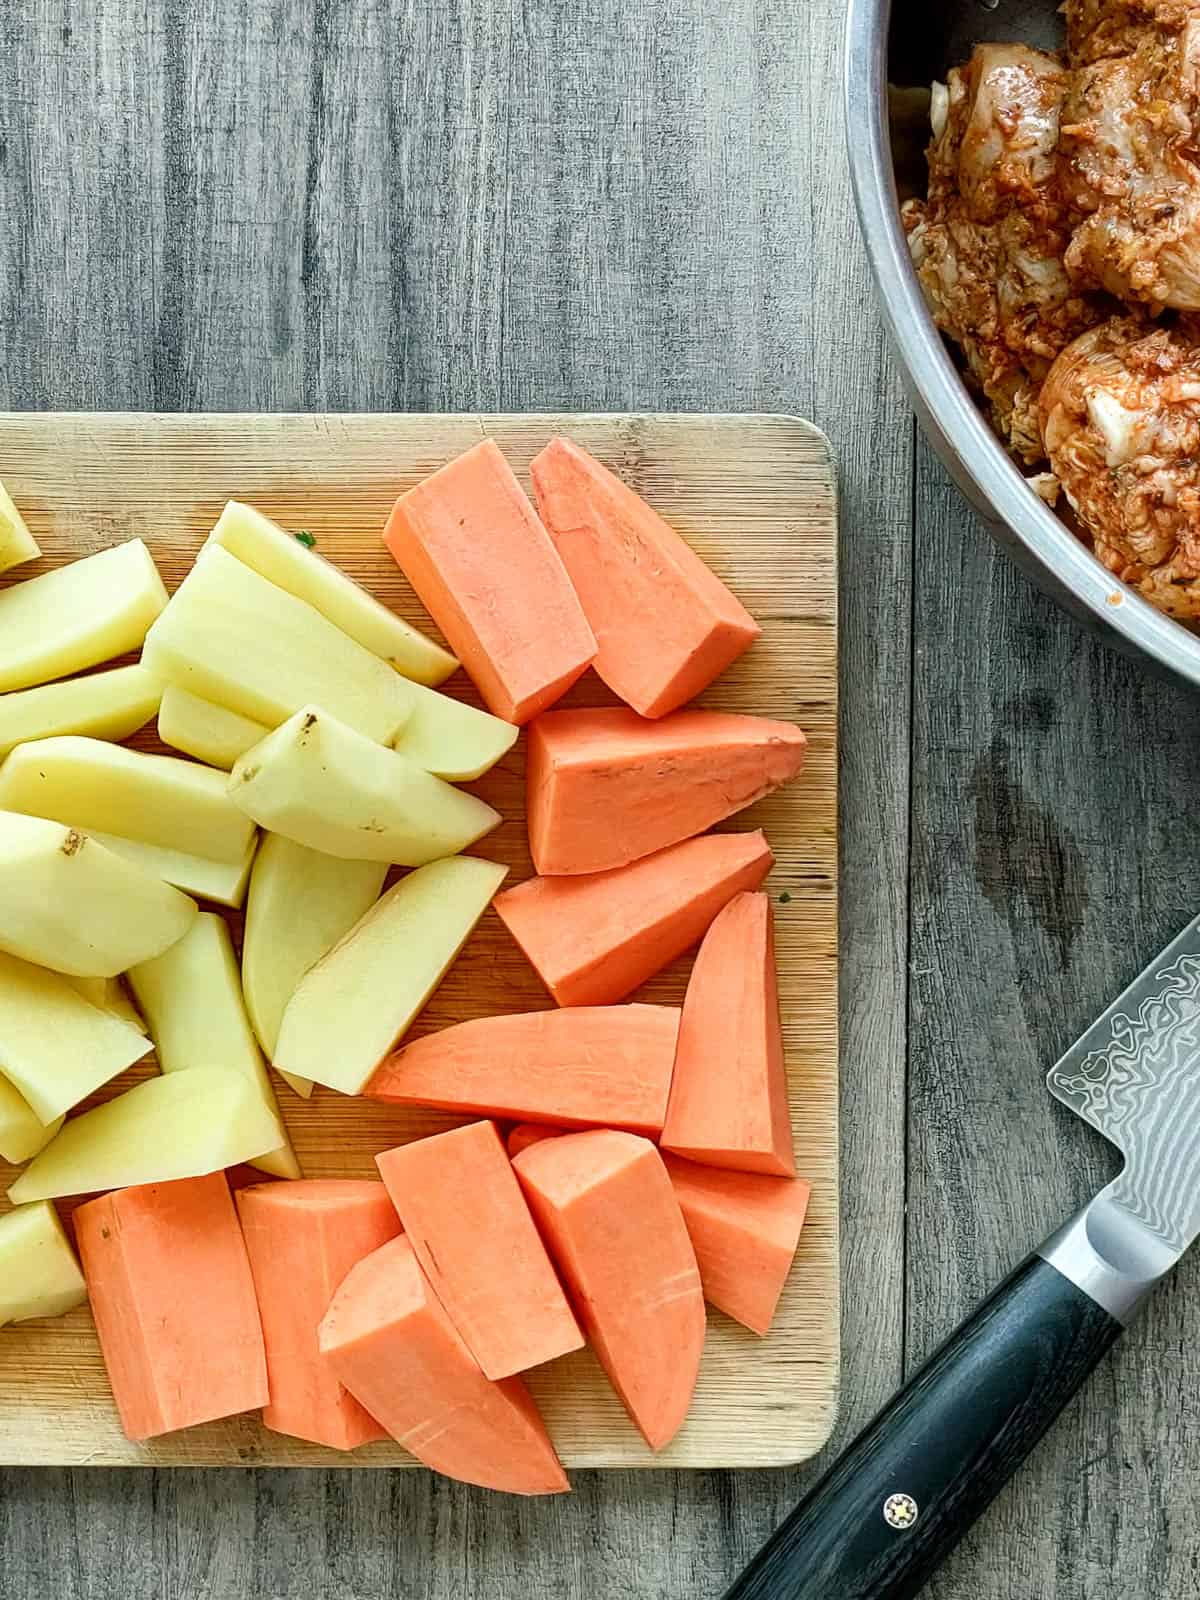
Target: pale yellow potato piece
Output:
[(452, 740), (205, 730), (107, 788), (21, 1133), (55, 1048), (191, 998), (68, 903), (104, 705), (354, 1005), (108, 994), (78, 615), (222, 881), (273, 553), (299, 905), (232, 637), (39, 1275), (17, 544), (183, 1125), (317, 781)]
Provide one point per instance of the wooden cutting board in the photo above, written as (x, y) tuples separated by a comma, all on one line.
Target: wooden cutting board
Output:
[(755, 496)]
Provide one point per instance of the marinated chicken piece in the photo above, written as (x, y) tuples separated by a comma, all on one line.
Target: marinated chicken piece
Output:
[(1099, 28), (1121, 421), (1128, 161), (988, 244)]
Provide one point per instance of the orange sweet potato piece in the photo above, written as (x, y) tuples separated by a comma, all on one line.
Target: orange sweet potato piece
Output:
[(477, 1244), (595, 1064), (605, 787), (729, 1099), (173, 1302), (604, 1203), (302, 1239), (745, 1230), (665, 624), (527, 1133), (388, 1339), (595, 937), (474, 549)]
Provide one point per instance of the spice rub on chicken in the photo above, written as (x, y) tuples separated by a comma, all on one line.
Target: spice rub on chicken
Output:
[(989, 242)]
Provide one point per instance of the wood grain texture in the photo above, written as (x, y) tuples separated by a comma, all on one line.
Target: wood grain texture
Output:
[(754, 496), (594, 204), (1058, 849)]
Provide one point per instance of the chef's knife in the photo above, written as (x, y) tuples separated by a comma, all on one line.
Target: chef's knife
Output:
[(906, 1491)]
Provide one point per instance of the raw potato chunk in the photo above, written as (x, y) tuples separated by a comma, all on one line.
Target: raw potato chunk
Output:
[(302, 1240), (105, 788), (285, 561), (173, 1303), (78, 615), (452, 740), (317, 781), (69, 904), (231, 637), (56, 1047), (299, 905), (179, 1126), (203, 729), (105, 705), (108, 994), (222, 881), (17, 544), (390, 1342), (353, 1006), (191, 997), (608, 1214), (22, 1134), (39, 1275)]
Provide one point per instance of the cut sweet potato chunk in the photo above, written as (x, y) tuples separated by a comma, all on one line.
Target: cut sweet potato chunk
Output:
[(302, 1239), (472, 1232), (745, 1230), (665, 624), (174, 1304), (606, 787), (604, 1203), (388, 1339), (729, 1101), (594, 938), (472, 547), (609, 1065), (527, 1133)]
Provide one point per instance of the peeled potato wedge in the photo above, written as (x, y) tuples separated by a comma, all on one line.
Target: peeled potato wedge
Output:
[(56, 1047), (317, 781), (299, 905), (273, 553), (108, 994), (106, 788), (78, 615), (191, 998), (232, 637), (69, 904), (17, 544), (222, 881), (202, 729), (452, 740), (39, 1275), (104, 705), (21, 1133), (352, 1007), (183, 1125)]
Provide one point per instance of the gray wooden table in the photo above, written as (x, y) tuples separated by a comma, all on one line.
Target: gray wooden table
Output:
[(532, 204)]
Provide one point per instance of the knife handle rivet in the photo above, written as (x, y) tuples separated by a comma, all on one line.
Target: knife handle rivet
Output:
[(900, 1511)]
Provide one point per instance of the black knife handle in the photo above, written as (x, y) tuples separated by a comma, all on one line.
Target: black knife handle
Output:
[(908, 1488)]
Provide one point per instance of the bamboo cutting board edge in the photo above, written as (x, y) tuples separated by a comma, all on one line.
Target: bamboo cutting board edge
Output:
[(756, 495)]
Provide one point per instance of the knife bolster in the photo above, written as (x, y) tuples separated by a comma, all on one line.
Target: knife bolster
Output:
[(1115, 1259)]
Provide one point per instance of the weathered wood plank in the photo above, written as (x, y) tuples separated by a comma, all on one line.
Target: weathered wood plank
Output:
[(1056, 848), (377, 204)]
